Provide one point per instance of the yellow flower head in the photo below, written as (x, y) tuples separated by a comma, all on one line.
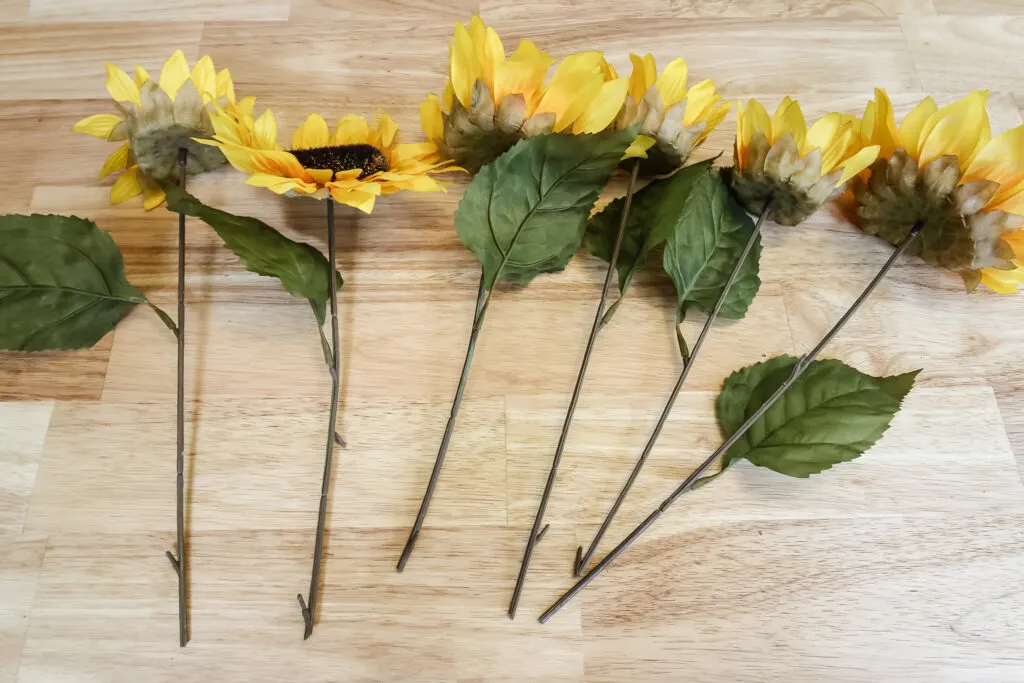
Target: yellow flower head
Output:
[(673, 120), (799, 168), (158, 119), (354, 164), (942, 168), (490, 101)]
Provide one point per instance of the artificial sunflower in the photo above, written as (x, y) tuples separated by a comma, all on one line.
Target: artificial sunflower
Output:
[(797, 167), (354, 164), (490, 101), (158, 119), (943, 169), (673, 120)]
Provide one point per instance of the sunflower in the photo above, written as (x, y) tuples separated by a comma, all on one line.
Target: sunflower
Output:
[(799, 168), (158, 119), (942, 168), (490, 101), (673, 120), (354, 164)]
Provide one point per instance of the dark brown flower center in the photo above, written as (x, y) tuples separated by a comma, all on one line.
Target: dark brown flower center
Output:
[(339, 158)]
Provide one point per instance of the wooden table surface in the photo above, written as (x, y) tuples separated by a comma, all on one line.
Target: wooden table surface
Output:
[(907, 565)]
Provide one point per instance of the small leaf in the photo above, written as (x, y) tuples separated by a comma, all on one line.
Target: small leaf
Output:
[(832, 413), (709, 233), (301, 268), (62, 283), (524, 213), (642, 234)]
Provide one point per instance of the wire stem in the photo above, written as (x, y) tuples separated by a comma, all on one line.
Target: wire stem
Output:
[(309, 610), (483, 298)]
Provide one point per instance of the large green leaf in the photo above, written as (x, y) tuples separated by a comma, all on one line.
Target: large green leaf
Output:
[(301, 268), (832, 413), (709, 231), (642, 235), (524, 213), (62, 283)]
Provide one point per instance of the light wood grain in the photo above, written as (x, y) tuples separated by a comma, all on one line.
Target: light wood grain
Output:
[(902, 566)]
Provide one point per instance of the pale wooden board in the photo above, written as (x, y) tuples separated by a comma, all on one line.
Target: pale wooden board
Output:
[(20, 453), (904, 565), (21, 557)]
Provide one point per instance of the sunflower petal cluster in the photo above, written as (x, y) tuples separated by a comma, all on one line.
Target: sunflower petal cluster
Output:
[(156, 120), (491, 100), (942, 168), (798, 168), (354, 163), (673, 120)]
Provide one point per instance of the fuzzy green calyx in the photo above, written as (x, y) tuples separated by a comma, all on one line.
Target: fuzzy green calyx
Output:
[(957, 235), (158, 128), (794, 183), (480, 134)]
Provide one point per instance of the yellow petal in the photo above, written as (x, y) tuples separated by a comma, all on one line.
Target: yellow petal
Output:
[(358, 199), (120, 86), (174, 74), (387, 129), (353, 130), (700, 102), (204, 75), (97, 125), (464, 68), (225, 86), (431, 120), (141, 75), (321, 176), (491, 55), (522, 77), (671, 84), (1003, 281), (264, 131), (312, 133), (880, 128), (152, 196), (280, 185), (1011, 200), (603, 110), (576, 83), (117, 161), (126, 186), (756, 119), (1002, 161), (957, 129), (858, 162), (638, 82), (913, 126), (448, 96), (638, 148), (823, 134), (789, 118)]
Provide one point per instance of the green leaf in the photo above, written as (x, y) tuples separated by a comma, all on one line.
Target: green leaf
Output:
[(62, 283), (709, 231), (832, 413), (301, 268), (524, 213), (642, 234)]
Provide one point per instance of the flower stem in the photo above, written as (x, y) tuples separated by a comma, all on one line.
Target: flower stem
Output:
[(535, 532), (483, 298), (309, 610), (688, 483), (180, 563), (689, 356)]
